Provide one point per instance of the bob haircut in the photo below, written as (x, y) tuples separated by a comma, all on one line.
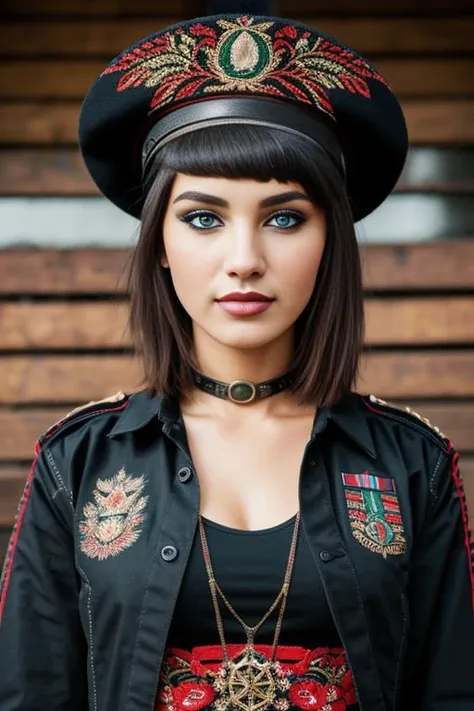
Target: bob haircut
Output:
[(328, 333)]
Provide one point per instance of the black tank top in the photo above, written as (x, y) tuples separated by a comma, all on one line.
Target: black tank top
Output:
[(249, 567)]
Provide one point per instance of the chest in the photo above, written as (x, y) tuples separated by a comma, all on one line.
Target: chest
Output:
[(248, 474)]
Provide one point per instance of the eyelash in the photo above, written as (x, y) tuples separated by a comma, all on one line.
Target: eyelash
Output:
[(190, 216)]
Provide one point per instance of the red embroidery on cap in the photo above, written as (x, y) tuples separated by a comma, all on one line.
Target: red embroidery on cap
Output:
[(243, 56)]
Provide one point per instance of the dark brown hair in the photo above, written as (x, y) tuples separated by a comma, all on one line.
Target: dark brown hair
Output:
[(329, 332)]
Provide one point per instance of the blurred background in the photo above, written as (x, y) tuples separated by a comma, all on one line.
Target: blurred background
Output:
[(63, 249)]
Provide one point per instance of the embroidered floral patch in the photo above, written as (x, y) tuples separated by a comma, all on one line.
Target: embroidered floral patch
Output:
[(374, 513), (298, 679), (242, 55), (113, 521)]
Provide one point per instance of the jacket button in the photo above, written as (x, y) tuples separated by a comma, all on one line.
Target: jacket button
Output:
[(169, 553), (326, 556), (185, 474)]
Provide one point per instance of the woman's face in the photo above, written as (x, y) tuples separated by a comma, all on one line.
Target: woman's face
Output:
[(223, 236)]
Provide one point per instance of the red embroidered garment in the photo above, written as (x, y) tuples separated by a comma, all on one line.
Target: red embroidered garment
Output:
[(300, 678)]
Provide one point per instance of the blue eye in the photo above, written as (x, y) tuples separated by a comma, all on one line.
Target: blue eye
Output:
[(201, 220), (286, 220)]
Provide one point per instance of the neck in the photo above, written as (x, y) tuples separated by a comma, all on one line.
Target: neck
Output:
[(221, 362), (226, 364), (256, 364)]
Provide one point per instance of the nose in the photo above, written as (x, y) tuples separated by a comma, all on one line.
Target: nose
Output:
[(244, 256)]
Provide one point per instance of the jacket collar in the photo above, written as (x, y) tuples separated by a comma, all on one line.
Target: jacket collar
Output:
[(141, 409), (349, 415)]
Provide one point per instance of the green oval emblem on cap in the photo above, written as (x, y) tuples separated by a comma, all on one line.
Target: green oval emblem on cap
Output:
[(242, 391), (244, 54)]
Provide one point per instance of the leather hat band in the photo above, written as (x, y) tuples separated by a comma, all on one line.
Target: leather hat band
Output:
[(238, 110)]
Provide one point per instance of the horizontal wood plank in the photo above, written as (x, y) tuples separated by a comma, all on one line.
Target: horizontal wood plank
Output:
[(437, 266), (408, 374), (454, 419), (101, 38), (75, 271), (89, 325), (429, 77), (103, 325), (414, 35), (11, 488), (305, 8), (429, 122), (71, 79), (44, 172), (64, 379), (21, 427), (106, 38), (440, 122), (431, 169), (420, 321), (4, 537), (61, 171), (40, 78), (184, 8), (441, 265), (191, 8), (25, 123)]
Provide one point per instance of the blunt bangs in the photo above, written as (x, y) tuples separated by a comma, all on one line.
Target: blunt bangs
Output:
[(253, 152), (329, 332)]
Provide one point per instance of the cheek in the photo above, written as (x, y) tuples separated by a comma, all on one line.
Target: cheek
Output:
[(300, 269), (190, 271)]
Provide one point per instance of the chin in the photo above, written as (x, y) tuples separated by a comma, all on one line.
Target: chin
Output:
[(247, 336)]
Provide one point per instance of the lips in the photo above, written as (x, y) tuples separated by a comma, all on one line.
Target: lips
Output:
[(245, 296)]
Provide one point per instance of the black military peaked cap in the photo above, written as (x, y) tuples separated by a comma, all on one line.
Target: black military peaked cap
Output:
[(242, 69)]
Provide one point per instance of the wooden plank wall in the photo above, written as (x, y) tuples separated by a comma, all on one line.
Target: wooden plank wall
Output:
[(63, 312)]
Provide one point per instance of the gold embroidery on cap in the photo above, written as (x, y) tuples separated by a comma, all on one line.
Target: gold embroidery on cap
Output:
[(244, 53)]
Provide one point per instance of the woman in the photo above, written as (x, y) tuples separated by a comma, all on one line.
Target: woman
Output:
[(246, 532)]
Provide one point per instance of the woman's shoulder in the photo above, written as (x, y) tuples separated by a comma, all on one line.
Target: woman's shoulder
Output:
[(105, 419), (394, 416), (407, 446), (109, 407)]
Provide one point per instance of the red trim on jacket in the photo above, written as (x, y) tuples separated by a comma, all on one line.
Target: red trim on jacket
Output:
[(16, 532), (54, 428), (5, 579), (464, 513)]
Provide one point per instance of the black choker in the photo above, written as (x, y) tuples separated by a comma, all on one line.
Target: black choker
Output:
[(242, 391)]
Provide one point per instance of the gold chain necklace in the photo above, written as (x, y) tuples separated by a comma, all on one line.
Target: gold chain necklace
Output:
[(249, 678)]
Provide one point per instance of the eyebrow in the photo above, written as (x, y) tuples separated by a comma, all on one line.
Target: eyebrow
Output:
[(219, 202)]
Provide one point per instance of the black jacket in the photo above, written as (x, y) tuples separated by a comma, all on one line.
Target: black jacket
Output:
[(107, 520)]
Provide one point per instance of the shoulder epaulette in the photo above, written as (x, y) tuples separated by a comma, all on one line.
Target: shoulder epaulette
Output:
[(409, 416), (114, 402)]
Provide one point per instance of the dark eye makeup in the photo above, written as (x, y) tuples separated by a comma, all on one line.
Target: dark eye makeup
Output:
[(203, 220)]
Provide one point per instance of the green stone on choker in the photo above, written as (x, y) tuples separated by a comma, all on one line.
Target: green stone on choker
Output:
[(242, 391)]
